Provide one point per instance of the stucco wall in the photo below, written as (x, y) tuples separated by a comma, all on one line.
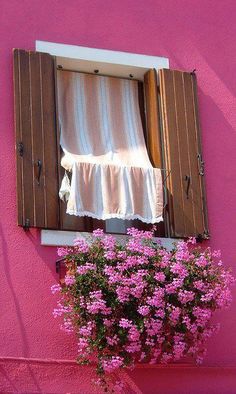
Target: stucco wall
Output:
[(192, 34)]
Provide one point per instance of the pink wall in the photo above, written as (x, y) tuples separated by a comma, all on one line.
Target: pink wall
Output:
[(192, 34)]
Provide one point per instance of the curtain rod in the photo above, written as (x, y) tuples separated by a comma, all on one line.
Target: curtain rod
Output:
[(96, 73)]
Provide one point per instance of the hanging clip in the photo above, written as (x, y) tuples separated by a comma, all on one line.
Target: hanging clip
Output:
[(200, 164), (20, 148), (202, 237)]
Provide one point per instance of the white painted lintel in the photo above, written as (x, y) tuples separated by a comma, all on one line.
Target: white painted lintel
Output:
[(102, 55)]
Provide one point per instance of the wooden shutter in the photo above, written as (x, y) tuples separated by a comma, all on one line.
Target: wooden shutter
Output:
[(153, 135), (39, 172), (182, 155), (36, 140), (153, 131)]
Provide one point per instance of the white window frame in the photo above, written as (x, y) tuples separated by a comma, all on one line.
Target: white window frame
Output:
[(114, 63)]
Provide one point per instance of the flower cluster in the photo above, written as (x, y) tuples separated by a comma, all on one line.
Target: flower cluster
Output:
[(140, 303)]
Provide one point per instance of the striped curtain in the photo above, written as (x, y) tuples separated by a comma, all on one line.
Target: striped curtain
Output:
[(104, 149)]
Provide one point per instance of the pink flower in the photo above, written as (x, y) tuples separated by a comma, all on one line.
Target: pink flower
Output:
[(69, 280), (83, 345), (86, 330), (115, 362), (144, 310), (97, 304), (67, 326), (98, 233), (83, 269), (179, 269), (199, 285), (108, 322), (175, 314), (121, 255), (134, 232), (133, 347), (160, 276), (109, 242), (112, 341), (62, 252), (134, 334), (81, 245), (202, 261), (125, 323), (55, 288), (186, 296), (110, 255)]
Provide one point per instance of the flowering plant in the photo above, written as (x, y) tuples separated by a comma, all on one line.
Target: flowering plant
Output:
[(139, 302)]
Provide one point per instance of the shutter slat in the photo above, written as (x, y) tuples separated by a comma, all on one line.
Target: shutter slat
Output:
[(172, 155), (18, 136), (49, 141), (152, 118), (152, 134), (26, 132), (186, 205), (199, 149), (196, 186), (37, 137)]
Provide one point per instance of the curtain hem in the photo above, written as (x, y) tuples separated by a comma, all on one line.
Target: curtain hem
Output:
[(116, 216)]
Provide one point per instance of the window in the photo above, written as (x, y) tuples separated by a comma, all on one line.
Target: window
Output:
[(172, 138)]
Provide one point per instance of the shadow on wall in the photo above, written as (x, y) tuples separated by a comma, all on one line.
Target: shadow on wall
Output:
[(47, 254), (25, 343)]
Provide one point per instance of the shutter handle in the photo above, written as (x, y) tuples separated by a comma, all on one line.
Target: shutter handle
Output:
[(187, 179), (39, 170)]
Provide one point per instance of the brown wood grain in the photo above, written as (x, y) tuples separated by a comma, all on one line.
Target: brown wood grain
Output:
[(37, 138), (27, 172), (171, 147), (152, 118), (18, 136), (196, 192), (152, 134), (50, 167)]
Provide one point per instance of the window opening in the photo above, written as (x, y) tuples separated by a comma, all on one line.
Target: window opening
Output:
[(86, 102)]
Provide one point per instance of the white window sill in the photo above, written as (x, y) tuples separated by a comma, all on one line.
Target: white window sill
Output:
[(66, 238)]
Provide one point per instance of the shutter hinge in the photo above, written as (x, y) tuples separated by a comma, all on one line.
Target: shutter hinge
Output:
[(20, 148), (58, 265), (26, 226), (200, 164), (201, 237)]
